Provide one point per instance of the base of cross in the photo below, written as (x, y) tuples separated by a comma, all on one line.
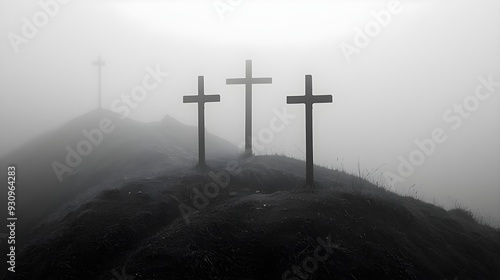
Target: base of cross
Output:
[(246, 155), (310, 186), (201, 166)]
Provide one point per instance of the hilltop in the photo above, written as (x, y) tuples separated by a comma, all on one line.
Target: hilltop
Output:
[(139, 208)]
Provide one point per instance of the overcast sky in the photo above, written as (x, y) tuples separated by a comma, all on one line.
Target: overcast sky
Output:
[(390, 88)]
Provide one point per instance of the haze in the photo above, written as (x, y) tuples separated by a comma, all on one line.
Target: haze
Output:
[(395, 91)]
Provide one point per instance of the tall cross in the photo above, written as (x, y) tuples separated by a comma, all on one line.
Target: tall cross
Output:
[(309, 99), (248, 81), (99, 63), (201, 99)]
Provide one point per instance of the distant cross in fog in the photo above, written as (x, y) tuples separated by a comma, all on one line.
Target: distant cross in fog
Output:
[(99, 63), (201, 99), (309, 99), (248, 81)]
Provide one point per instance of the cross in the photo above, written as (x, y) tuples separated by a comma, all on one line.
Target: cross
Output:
[(201, 99), (309, 99), (99, 63), (248, 81)]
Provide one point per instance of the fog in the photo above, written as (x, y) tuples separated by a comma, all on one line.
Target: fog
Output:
[(395, 89)]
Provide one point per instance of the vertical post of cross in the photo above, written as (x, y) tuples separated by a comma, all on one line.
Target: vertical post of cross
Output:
[(201, 122), (201, 99), (99, 63), (309, 99), (249, 108), (309, 135), (248, 81)]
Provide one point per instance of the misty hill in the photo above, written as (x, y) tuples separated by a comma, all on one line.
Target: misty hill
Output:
[(124, 150), (251, 219)]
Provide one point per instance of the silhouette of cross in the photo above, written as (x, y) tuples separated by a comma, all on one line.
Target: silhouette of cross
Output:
[(201, 99), (99, 63), (248, 81), (309, 99)]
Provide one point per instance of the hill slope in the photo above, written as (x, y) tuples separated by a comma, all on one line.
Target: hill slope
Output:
[(125, 150), (250, 219)]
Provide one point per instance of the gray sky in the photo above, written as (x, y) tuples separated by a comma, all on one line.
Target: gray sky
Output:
[(393, 90)]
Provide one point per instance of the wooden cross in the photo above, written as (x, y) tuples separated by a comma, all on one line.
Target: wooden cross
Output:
[(99, 63), (201, 99), (248, 81), (309, 99)]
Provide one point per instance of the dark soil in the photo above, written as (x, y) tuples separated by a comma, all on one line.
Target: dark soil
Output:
[(262, 225)]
